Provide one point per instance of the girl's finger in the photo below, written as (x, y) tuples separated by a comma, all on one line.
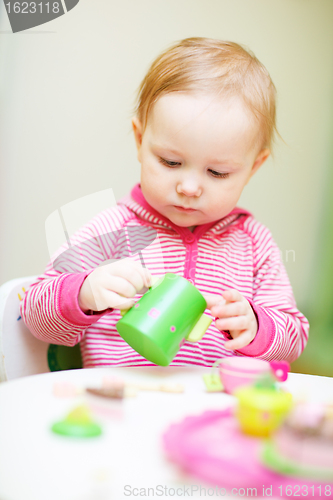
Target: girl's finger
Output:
[(241, 341), (144, 273), (148, 278), (117, 301), (235, 323), (122, 286), (229, 309), (232, 295), (213, 300), (110, 300), (133, 276)]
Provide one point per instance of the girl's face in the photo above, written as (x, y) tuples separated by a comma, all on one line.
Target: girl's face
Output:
[(196, 156)]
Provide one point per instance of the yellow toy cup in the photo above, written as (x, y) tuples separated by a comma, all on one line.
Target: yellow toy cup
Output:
[(261, 410)]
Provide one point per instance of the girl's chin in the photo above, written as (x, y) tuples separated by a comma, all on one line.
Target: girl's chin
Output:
[(185, 221)]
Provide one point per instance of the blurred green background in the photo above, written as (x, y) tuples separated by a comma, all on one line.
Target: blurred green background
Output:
[(317, 358)]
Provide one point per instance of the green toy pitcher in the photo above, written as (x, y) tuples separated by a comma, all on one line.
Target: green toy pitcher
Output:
[(169, 313)]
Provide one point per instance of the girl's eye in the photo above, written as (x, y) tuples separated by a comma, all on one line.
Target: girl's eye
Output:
[(220, 175), (169, 163)]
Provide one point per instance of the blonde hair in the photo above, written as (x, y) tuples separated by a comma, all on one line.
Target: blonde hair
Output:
[(206, 65)]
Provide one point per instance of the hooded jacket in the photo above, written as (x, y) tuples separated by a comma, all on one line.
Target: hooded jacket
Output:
[(235, 252)]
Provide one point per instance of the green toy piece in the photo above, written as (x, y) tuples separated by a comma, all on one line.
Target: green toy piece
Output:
[(78, 424), (282, 465), (266, 381), (213, 382)]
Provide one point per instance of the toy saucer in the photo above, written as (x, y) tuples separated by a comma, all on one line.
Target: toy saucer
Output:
[(77, 424), (76, 430), (211, 447)]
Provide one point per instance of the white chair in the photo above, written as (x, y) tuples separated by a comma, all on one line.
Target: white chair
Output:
[(21, 353)]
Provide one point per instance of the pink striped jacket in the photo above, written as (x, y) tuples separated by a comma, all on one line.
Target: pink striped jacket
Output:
[(235, 252)]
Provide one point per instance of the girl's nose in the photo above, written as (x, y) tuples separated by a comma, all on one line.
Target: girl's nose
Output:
[(189, 187)]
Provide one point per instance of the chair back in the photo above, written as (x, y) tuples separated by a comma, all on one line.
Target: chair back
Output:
[(22, 354)]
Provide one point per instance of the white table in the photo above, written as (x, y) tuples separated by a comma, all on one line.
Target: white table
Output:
[(36, 464)]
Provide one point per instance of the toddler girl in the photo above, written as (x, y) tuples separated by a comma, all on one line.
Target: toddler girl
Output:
[(204, 124)]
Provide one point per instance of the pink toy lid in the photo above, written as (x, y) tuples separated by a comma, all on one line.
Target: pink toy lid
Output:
[(211, 447)]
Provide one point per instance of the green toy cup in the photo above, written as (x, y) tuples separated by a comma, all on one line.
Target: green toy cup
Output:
[(169, 313)]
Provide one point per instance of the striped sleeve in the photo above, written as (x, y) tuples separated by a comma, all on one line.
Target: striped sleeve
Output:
[(283, 329), (50, 309), (50, 306)]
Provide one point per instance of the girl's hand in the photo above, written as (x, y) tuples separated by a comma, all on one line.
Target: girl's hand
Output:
[(234, 313), (111, 285)]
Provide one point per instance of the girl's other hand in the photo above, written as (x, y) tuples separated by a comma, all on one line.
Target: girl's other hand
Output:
[(112, 285), (233, 312)]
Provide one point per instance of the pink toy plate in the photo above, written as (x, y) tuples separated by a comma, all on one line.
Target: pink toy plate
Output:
[(211, 447)]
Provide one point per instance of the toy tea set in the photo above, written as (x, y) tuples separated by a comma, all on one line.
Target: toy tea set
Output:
[(233, 440), (169, 314)]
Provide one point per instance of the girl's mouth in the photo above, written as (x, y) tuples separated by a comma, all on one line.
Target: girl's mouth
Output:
[(182, 209)]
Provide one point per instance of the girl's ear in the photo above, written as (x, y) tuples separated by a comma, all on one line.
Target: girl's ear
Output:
[(261, 158), (137, 129)]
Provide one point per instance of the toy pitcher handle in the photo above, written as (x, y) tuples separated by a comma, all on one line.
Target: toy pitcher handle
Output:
[(280, 370), (199, 329)]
